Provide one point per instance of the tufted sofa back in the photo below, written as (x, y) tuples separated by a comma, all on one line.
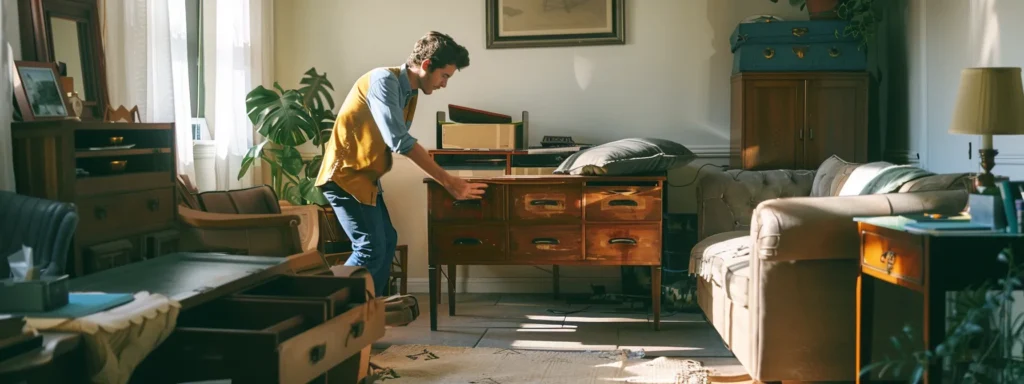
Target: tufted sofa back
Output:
[(726, 200)]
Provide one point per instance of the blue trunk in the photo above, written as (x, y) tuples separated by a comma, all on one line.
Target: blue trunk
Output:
[(779, 46)]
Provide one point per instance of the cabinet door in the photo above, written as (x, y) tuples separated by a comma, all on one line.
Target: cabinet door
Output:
[(773, 117), (837, 120)]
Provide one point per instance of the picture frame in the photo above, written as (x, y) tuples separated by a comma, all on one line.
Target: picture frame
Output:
[(537, 23), (37, 89)]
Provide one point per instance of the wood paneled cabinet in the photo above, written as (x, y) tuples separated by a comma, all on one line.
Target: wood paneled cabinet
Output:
[(797, 120), (121, 178)]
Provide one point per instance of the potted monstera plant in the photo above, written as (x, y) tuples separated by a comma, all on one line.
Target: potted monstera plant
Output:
[(288, 119)]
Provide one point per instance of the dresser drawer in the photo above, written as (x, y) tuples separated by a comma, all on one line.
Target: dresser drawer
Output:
[(105, 217), (634, 244), (444, 207), (334, 293), (468, 242), (623, 203), (269, 340), (545, 242), (546, 202), (893, 254)]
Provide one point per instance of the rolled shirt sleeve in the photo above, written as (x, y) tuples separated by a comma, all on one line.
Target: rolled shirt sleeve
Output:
[(386, 103)]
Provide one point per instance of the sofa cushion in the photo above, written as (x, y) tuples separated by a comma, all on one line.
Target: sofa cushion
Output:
[(727, 199), (628, 157), (831, 176)]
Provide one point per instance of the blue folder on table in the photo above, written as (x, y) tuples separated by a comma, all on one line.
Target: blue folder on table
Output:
[(84, 304)]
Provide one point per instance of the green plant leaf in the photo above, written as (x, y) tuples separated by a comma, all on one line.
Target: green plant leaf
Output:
[(311, 193), (313, 168), (255, 152), (290, 160), (279, 117), (316, 91)]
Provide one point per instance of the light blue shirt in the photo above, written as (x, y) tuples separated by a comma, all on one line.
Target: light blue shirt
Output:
[(387, 97)]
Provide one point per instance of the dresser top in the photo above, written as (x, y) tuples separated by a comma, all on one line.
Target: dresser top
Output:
[(512, 179)]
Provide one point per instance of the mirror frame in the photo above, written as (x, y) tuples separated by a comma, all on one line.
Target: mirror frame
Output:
[(37, 44)]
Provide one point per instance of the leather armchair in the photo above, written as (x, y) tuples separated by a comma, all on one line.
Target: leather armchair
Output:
[(46, 226)]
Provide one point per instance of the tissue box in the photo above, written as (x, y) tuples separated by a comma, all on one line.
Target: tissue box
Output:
[(46, 294)]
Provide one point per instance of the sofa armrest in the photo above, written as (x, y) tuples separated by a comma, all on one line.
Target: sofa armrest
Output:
[(820, 228), (726, 200)]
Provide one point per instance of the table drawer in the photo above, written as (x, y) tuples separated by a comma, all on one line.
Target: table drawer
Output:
[(334, 293), (623, 203), (546, 202), (545, 242), (893, 255), (468, 242), (444, 207), (108, 216), (262, 340), (634, 244)]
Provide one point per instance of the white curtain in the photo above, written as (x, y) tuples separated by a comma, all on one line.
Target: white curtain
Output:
[(238, 56), (146, 48), (8, 12)]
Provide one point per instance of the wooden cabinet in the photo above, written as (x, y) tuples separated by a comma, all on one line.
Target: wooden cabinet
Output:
[(797, 120), (120, 176), (547, 220)]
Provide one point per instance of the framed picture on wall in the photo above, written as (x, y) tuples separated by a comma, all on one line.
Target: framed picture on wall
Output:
[(37, 90), (554, 23)]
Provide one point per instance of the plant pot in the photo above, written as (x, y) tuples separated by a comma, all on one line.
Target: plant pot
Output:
[(822, 9)]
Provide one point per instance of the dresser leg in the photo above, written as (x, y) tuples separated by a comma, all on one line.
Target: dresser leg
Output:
[(554, 279), (433, 282), (656, 296), (451, 289)]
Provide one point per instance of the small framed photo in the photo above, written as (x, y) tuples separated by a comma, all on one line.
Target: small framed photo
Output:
[(38, 92), (554, 23)]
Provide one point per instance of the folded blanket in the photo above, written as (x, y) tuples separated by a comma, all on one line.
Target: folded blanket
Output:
[(880, 177), (890, 179)]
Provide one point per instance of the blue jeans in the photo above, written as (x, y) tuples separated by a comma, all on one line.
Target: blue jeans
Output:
[(369, 228)]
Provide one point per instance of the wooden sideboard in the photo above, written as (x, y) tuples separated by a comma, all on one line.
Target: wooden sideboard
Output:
[(125, 196), (547, 220)]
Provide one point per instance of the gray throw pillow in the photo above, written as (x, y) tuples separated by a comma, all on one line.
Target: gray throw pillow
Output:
[(627, 157)]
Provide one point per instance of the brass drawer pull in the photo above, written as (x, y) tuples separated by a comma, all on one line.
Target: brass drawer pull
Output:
[(889, 259), (622, 202), (467, 241), (800, 52), (475, 202), (622, 240), (545, 240), (318, 352), (769, 53), (544, 202), (799, 32), (833, 52)]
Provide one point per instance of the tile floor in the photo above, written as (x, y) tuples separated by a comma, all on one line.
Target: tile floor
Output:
[(540, 322)]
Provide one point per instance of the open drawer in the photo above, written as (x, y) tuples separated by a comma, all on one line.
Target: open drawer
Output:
[(337, 294), (267, 338)]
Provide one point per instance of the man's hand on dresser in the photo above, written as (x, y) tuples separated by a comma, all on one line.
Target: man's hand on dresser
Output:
[(462, 190)]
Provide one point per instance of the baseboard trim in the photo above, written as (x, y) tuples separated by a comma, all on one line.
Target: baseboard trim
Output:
[(710, 151), (520, 285)]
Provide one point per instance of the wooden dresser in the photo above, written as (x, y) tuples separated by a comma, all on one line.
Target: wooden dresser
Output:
[(547, 220), (796, 120), (125, 197)]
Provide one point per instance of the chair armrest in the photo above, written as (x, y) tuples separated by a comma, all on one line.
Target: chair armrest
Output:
[(251, 234), (726, 200), (210, 220), (822, 228)]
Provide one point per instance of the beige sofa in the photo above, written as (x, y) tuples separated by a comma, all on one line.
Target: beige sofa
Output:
[(777, 262)]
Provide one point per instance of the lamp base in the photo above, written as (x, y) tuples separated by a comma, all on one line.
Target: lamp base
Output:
[(985, 183)]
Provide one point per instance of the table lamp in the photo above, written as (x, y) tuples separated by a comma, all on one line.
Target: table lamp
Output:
[(990, 102)]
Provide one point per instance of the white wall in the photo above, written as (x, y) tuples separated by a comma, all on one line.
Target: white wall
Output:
[(945, 37), (671, 80)]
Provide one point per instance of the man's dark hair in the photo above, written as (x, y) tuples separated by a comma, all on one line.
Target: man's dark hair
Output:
[(440, 49)]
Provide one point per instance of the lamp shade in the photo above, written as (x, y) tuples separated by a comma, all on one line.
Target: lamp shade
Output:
[(990, 102)]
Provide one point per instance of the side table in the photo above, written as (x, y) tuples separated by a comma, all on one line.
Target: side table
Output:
[(927, 262)]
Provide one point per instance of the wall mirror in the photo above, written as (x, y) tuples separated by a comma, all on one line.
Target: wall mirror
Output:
[(68, 31)]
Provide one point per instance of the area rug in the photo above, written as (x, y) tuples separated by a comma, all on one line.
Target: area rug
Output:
[(401, 364)]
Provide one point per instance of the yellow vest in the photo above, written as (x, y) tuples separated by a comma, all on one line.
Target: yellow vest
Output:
[(356, 156)]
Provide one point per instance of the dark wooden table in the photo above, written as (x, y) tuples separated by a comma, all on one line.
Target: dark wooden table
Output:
[(928, 263)]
